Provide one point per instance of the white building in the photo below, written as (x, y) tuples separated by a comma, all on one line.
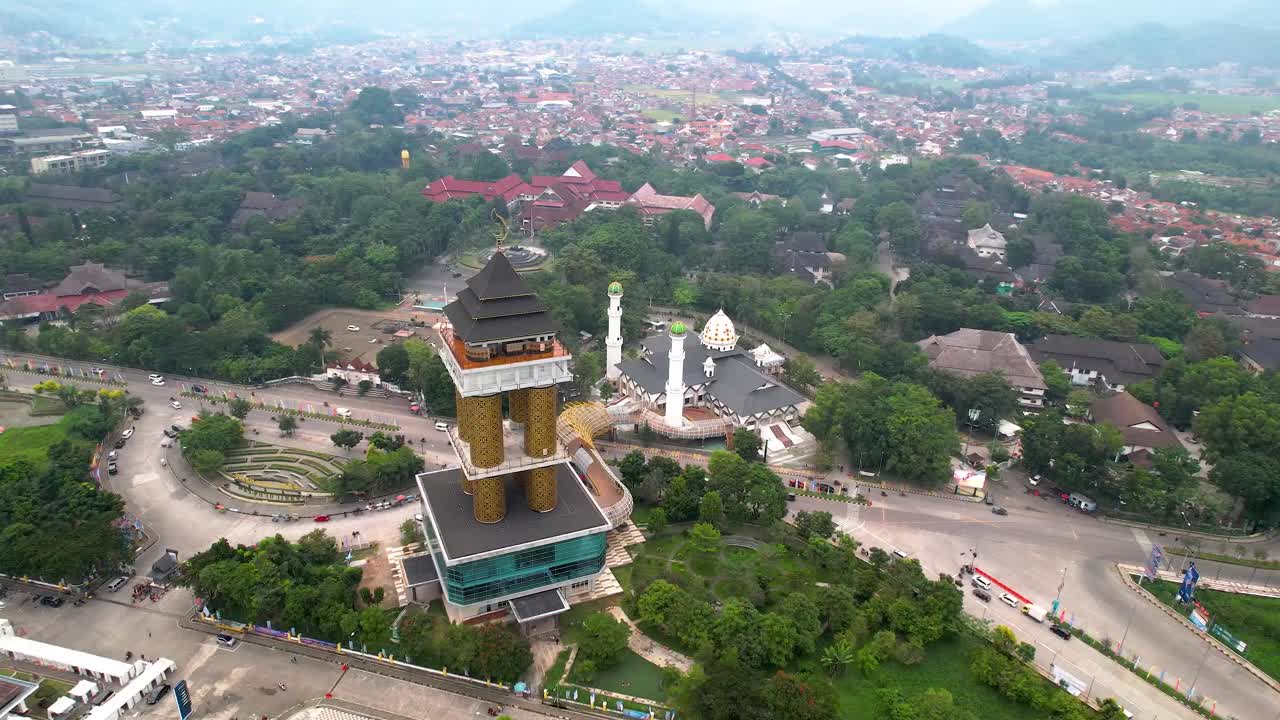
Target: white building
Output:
[(65, 164), (987, 242)]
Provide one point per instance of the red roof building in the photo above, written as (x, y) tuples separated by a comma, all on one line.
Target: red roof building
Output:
[(563, 198), (450, 188), (652, 205)]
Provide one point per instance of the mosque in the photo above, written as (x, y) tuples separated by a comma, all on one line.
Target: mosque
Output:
[(718, 386)]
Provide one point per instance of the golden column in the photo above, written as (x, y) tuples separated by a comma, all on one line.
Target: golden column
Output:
[(483, 421), (540, 492), (489, 505), (540, 430), (518, 400), (460, 403)]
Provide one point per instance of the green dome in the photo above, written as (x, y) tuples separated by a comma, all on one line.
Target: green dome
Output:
[(615, 288), (677, 328)]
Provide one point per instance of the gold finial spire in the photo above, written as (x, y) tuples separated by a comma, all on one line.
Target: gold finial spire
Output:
[(499, 235)]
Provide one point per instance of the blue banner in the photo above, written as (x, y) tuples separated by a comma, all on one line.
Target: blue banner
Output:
[(1188, 589), (183, 697)]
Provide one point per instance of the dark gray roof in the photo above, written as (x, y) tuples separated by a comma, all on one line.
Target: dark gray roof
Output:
[(1121, 362), (450, 511), (1204, 294), (968, 352), (497, 279), (498, 328), (497, 304), (737, 383), (538, 605), (1263, 351), (419, 569), (71, 197)]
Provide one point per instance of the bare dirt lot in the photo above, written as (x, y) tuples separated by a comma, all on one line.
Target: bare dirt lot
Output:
[(365, 343)]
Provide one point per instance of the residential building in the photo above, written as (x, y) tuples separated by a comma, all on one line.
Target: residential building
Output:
[(1205, 295), (77, 161), (1110, 364), (804, 254), (450, 188), (19, 285), (987, 242), (968, 352), (653, 205), (45, 142), (1139, 423), (88, 284), (353, 372), (8, 120), (309, 136), (266, 205)]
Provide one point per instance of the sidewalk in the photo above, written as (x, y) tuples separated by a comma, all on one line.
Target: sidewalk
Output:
[(651, 649)]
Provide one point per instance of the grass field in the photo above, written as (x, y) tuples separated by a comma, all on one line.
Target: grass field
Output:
[(946, 666), (1254, 620), (661, 115), (633, 675), (30, 442), (1217, 104)]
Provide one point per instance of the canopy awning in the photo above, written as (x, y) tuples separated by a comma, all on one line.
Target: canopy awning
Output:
[(538, 605)]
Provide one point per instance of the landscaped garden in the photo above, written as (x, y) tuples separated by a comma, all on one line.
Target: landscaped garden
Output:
[(273, 468), (1251, 619)]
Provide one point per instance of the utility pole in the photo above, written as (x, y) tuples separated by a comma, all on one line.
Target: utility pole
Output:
[(1203, 659)]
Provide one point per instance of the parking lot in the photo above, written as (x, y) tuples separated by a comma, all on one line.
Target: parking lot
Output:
[(364, 343)]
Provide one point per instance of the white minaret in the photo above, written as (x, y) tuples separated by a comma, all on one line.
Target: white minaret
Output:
[(613, 341), (675, 376)]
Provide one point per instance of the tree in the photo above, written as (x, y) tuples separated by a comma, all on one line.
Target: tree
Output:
[(1254, 477), (799, 372), (898, 220), (711, 510), (239, 408), (318, 339), (704, 538), (286, 423), (393, 363), (1237, 425), (1055, 379), (346, 439), (411, 532), (657, 521), (838, 656), (1204, 341), (603, 639), (374, 105), (975, 215), (817, 523), (747, 444)]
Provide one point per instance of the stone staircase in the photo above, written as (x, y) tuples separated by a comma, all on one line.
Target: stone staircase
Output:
[(615, 553), (352, 391)]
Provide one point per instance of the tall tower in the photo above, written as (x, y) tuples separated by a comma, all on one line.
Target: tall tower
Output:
[(675, 376), (501, 339), (613, 341)]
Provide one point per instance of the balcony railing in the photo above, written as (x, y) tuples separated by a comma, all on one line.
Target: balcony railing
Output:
[(471, 358)]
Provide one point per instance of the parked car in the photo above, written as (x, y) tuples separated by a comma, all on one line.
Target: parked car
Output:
[(170, 433), (158, 693), (226, 640), (112, 468), (199, 389), (989, 499), (175, 405), (1060, 631), (981, 583), (982, 595), (52, 601), (353, 328), (157, 381), (119, 443), (118, 583), (127, 434), (113, 455), (1009, 600), (321, 518), (1035, 479), (155, 376), (997, 510), (791, 497)]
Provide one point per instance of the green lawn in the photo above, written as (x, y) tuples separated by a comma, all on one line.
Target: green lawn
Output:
[(30, 442), (633, 675), (1218, 104), (1254, 620), (946, 666), (661, 115)]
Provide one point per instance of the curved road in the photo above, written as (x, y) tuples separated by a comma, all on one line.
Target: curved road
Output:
[(1041, 544)]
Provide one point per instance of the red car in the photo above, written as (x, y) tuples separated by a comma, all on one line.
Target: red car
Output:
[(321, 518)]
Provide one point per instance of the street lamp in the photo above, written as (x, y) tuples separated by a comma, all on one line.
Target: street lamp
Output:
[(974, 414)]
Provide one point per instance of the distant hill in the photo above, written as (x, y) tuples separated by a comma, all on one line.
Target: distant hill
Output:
[(933, 49), (1153, 46), (596, 18), (1069, 21)]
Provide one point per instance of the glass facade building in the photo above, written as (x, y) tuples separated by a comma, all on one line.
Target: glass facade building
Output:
[(519, 571)]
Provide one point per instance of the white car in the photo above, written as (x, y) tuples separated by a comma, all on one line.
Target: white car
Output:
[(353, 328), (1009, 600), (127, 434), (155, 376), (344, 412), (157, 381), (113, 455), (175, 405)]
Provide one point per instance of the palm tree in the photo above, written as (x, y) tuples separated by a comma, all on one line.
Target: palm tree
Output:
[(320, 339), (838, 656)]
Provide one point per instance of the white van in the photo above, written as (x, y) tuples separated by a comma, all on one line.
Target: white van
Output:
[(118, 583), (442, 427), (981, 582), (899, 554), (344, 412)]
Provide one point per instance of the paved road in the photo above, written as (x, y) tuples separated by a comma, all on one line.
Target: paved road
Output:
[(227, 682), (1029, 550)]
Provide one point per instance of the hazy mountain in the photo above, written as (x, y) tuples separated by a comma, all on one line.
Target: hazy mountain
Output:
[(932, 49), (1158, 46), (597, 18), (1067, 21)]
